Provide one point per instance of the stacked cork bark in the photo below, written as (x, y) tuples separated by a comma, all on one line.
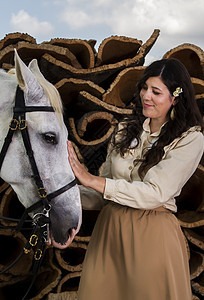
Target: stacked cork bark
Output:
[(97, 89)]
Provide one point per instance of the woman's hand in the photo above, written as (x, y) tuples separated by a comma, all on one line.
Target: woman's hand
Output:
[(79, 171), (85, 178)]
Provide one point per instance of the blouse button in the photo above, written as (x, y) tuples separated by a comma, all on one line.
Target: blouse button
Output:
[(108, 197), (130, 167)]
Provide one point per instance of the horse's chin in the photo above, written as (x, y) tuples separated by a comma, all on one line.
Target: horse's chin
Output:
[(55, 244)]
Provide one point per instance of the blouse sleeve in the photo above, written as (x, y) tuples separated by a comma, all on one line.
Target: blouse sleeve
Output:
[(164, 180), (91, 199)]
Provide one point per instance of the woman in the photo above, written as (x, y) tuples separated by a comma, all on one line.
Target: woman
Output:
[(137, 250)]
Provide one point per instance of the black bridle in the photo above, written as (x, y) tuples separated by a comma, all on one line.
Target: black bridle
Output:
[(41, 221)]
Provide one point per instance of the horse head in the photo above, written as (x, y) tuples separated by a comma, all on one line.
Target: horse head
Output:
[(48, 137)]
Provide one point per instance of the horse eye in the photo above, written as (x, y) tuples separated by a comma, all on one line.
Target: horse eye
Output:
[(50, 138)]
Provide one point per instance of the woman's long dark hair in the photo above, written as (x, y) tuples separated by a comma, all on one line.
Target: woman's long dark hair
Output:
[(173, 74)]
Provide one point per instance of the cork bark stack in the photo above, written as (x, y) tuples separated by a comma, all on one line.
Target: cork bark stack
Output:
[(97, 89)]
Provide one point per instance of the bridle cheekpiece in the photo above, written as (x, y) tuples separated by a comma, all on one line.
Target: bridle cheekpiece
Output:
[(41, 220)]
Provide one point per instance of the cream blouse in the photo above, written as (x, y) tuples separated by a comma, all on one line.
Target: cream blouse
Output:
[(161, 183)]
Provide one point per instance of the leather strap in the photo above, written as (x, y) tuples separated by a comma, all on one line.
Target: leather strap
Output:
[(62, 190), (33, 108)]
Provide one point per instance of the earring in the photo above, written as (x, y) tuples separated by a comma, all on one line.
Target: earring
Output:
[(172, 114)]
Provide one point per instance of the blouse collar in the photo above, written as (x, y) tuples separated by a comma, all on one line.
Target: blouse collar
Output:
[(146, 127)]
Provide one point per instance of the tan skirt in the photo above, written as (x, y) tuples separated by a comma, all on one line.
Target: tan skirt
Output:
[(136, 255)]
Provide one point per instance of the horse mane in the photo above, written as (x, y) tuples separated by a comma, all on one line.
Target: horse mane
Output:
[(52, 93)]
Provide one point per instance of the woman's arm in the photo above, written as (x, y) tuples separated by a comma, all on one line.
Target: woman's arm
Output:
[(162, 182)]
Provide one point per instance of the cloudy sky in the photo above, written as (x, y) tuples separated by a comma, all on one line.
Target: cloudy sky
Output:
[(179, 21)]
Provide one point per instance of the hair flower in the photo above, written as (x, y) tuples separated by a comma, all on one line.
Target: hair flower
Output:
[(177, 91)]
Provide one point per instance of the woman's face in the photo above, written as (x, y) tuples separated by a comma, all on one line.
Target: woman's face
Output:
[(156, 99)]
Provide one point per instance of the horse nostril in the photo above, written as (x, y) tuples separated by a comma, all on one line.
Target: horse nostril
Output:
[(70, 231)]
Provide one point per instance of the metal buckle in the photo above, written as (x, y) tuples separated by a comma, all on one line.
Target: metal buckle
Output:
[(42, 192), (46, 233), (14, 124), (38, 220), (33, 240), (22, 124), (38, 254)]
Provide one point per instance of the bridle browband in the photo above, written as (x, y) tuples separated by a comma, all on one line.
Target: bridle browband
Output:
[(40, 232)]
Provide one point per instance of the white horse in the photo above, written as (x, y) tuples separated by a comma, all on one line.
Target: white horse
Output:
[(48, 136)]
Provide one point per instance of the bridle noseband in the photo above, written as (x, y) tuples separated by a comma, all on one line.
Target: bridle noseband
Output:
[(40, 220)]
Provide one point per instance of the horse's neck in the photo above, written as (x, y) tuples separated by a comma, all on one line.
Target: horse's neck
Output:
[(8, 86), (7, 97)]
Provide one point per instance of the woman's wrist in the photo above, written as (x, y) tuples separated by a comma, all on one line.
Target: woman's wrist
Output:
[(97, 183)]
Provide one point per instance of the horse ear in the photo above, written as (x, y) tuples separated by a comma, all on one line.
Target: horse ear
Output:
[(18, 67), (26, 79), (33, 66)]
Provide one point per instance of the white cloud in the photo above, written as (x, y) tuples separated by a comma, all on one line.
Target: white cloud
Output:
[(176, 19), (23, 22), (80, 14), (77, 18), (179, 21), (173, 17)]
